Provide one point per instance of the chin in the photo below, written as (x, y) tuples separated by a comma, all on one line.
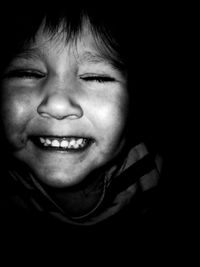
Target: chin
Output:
[(60, 180)]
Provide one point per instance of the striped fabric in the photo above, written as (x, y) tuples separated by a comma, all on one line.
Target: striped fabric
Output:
[(139, 172)]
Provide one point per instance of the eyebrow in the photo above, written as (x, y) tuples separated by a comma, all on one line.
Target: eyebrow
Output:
[(96, 58), (30, 53), (93, 58)]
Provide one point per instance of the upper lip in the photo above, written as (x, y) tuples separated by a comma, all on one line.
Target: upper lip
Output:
[(60, 136)]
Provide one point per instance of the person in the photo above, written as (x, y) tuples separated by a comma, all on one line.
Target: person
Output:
[(74, 152)]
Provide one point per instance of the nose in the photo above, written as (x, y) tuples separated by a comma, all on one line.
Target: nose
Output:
[(60, 105)]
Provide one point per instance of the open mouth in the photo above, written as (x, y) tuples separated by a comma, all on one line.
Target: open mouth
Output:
[(62, 143)]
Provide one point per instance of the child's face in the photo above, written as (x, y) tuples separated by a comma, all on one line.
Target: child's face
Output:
[(64, 109)]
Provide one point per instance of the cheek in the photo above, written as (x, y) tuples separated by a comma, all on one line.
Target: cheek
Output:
[(15, 113), (110, 115), (109, 120)]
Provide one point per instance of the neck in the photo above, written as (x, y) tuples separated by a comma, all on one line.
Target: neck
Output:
[(81, 200)]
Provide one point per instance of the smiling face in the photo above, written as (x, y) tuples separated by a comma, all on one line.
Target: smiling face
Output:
[(64, 108)]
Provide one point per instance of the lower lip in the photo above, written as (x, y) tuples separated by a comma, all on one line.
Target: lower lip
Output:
[(37, 143)]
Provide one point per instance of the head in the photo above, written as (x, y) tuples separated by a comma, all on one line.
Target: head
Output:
[(65, 95)]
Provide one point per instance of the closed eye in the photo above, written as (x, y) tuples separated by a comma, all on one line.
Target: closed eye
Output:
[(100, 79), (25, 74)]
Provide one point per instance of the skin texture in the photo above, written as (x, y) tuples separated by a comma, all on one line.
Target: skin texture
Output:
[(60, 92)]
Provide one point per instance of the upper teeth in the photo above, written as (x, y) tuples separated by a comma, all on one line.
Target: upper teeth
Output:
[(63, 143)]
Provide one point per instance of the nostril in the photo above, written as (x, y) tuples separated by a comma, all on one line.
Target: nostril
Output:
[(59, 107)]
